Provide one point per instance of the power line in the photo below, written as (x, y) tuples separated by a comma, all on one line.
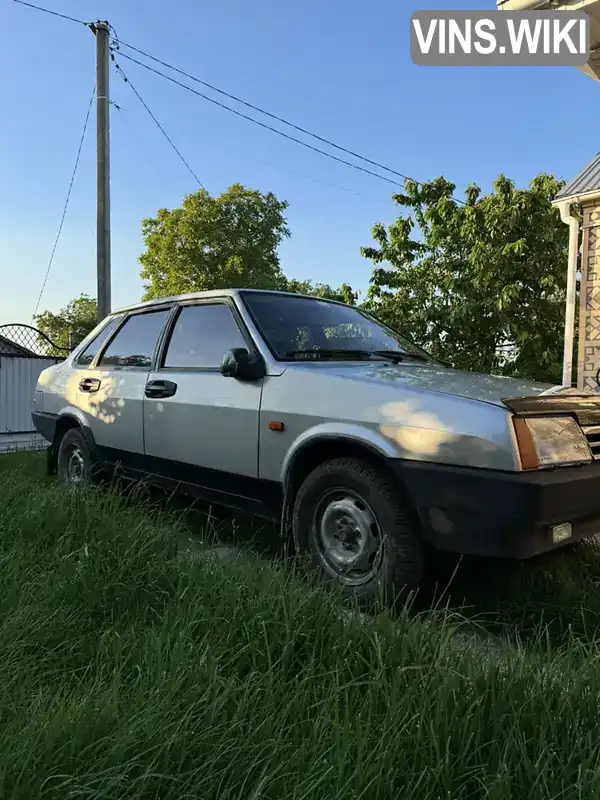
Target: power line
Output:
[(268, 113), (62, 219), (54, 13), (282, 120), (249, 157), (156, 122), (254, 107), (116, 35), (179, 154), (261, 124)]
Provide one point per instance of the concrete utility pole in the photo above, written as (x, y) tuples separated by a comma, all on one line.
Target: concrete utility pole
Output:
[(103, 168)]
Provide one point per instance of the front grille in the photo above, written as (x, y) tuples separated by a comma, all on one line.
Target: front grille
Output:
[(592, 434)]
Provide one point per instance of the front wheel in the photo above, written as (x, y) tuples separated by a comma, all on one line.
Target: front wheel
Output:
[(356, 525)]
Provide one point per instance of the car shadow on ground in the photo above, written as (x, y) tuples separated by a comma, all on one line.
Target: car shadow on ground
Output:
[(543, 601), (546, 600)]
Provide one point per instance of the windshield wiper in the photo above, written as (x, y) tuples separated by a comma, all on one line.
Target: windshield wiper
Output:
[(395, 356), (399, 355), (329, 353)]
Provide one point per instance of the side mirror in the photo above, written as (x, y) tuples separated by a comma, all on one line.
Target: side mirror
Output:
[(239, 363)]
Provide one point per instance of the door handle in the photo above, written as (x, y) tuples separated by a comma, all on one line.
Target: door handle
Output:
[(160, 388), (89, 385)]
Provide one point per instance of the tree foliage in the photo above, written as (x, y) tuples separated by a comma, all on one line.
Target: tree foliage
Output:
[(344, 294), (214, 243), (481, 285), (71, 324)]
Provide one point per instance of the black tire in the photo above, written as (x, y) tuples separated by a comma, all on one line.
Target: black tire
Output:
[(75, 463), (391, 564)]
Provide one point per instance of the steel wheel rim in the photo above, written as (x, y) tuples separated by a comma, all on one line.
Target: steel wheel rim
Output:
[(76, 471), (348, 537)]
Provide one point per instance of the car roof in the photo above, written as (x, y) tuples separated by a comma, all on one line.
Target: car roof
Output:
[(212, 293)]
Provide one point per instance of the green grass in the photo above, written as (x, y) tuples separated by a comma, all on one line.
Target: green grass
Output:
[(130, 671)]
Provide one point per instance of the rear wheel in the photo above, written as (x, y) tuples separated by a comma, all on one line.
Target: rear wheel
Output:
[(75, 464), (356, 525)]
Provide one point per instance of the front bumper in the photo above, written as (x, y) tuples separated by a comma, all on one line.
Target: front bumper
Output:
[(503, 514)]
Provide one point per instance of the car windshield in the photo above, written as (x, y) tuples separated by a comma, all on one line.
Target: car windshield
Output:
[(297, 327)]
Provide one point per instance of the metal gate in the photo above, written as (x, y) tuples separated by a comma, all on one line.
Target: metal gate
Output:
[(24, 353)]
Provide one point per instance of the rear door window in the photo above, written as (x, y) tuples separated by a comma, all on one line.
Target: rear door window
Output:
[(135, 343), (87, 356)]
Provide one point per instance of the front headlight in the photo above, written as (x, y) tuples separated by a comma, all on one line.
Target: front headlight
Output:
[(550, 442)]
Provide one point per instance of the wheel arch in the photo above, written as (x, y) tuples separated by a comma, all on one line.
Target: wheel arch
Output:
[(325, 446), (393, 495), (332, 441)]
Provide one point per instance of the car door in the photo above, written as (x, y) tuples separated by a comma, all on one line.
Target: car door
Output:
[(111, 391), (203, 423)]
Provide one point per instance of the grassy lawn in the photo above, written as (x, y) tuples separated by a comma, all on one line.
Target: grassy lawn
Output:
[(131, 670)]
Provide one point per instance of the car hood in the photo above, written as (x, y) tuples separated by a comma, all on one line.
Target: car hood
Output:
[(432, 378)]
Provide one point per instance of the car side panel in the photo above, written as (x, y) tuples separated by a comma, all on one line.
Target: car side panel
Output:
[(56, 389), (56, 396), (211, 422), (114, 412), (405, 424)]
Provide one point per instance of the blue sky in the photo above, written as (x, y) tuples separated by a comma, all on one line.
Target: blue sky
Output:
[(341, 69)]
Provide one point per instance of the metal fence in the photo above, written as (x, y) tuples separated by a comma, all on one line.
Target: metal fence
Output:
[(24, 353), (27, 341)]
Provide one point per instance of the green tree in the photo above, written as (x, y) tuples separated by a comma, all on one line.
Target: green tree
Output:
[(71, 324), (481, 285), (214, 243), (344, 294)]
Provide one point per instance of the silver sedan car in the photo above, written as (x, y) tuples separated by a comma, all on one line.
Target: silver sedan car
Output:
[(311, 412)]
